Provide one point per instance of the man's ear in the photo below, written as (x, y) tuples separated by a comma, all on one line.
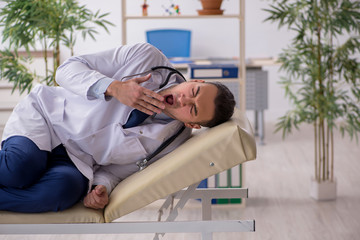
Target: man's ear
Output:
[(193, 125), (197, 80)]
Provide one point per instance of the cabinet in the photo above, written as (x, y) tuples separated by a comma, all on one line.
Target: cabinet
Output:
[(257, 97), (240, 17)]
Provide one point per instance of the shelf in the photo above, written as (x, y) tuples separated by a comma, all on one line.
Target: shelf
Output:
[(34, 54), (183, 17)]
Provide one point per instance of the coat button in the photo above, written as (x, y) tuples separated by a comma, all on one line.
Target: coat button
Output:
[(141, 132)]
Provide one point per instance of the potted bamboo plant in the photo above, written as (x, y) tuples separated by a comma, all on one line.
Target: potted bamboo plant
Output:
[(52, 24), (322, 77)]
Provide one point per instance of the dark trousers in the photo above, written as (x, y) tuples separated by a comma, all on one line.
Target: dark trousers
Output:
[(32, 180)]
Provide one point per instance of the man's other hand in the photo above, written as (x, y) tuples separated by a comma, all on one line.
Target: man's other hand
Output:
[(97, 198), (132, 94)]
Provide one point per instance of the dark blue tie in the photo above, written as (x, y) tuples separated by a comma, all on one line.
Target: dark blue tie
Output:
[(136, 117)]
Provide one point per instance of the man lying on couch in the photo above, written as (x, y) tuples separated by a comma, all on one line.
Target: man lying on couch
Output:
[(111, 110)]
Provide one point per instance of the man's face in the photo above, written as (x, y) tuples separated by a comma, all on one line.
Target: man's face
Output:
[(190, 102)]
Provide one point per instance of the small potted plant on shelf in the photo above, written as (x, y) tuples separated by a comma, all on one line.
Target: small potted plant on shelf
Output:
[(323, 77), (144, 7), (211, 7)]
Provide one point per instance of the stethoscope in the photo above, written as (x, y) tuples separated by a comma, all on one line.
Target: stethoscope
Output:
[(153, 69), (144, 163)]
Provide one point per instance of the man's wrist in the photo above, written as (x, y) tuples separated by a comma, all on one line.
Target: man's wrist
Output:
[(99, 88), (111, 88)]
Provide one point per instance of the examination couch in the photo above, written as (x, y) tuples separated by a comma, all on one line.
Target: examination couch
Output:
[(206, 153)]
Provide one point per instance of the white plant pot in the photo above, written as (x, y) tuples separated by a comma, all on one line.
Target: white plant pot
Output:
[(323, 190)]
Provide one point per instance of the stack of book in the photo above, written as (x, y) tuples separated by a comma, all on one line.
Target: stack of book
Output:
[(213, 71), (228, 179)]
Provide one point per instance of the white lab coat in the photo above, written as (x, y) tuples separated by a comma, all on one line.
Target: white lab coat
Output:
[(89, 128)]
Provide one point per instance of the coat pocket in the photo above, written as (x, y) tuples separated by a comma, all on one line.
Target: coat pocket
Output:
[(110, 145), (130, 151)]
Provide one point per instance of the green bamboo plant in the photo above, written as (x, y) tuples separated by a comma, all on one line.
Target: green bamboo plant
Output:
[(49, 23), (322, 72)]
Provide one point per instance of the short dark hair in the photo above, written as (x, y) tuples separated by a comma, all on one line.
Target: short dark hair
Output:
[(224, 105)]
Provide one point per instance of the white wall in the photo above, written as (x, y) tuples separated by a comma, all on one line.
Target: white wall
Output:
[(262, 39)]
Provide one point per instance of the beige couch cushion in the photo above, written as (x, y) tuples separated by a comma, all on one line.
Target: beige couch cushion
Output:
[(76, 214), (205, 154)]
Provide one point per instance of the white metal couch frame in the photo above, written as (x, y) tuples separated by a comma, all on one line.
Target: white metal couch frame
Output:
[(206, 226)]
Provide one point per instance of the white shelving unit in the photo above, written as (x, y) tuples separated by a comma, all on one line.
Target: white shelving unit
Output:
[(241, 80), (241, 31)]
